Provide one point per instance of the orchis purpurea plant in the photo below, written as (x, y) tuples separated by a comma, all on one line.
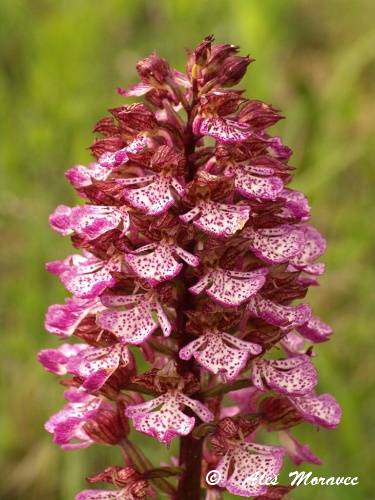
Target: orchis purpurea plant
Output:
[(192, 253)]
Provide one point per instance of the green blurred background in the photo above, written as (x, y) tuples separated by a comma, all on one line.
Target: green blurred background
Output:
[(60, 64)]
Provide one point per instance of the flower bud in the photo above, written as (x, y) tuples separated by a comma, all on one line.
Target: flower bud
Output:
[(153, 68), (233, 69), (259, 115), (278, 413), (106, 427)]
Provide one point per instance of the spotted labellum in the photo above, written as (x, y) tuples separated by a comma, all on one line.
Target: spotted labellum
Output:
[(187, 317)]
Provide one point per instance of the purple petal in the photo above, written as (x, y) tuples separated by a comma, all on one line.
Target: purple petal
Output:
[(298, 452), (315, 330), (63, 319), (296, 205), (60, 220), (56, 360)]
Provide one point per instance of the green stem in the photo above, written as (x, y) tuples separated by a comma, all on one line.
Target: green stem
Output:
[(143, 465), (224, 388)]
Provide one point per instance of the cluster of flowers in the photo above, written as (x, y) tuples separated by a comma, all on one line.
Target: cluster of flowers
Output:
[(193, 249)]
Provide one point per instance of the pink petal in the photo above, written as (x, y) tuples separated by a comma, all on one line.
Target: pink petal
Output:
[(279, 315), (132, 326), (189, 349), (163, 424), (98, 495), (96, 365), (84, 277), (321, 410), (189, 216), (81, 176), (223, 130), (313, 247), (189, 258), (293, 343), (256, 187), (220, 353), (156, 266), (110, 160), (109, 300), (219, 219), (293, 376), (218, 358), (153, 199), (67, 425), (198, 408), (164, 323), (92, 221), (276, 245), (135, 90), (230, 288), (200, 285), (238, 468)]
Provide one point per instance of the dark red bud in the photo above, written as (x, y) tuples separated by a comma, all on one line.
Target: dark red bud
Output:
[(228, 427), (134, 118), (233, 69), (109, 144), (203, 50), (106, 427), (278, 413), (106, 126), (221, 53), (153, 68), (259, 115)]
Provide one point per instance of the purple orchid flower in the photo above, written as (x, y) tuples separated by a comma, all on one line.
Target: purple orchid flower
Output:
[(196, 253)]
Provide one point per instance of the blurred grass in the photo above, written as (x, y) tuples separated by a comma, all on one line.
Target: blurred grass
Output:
[(60, 64)]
